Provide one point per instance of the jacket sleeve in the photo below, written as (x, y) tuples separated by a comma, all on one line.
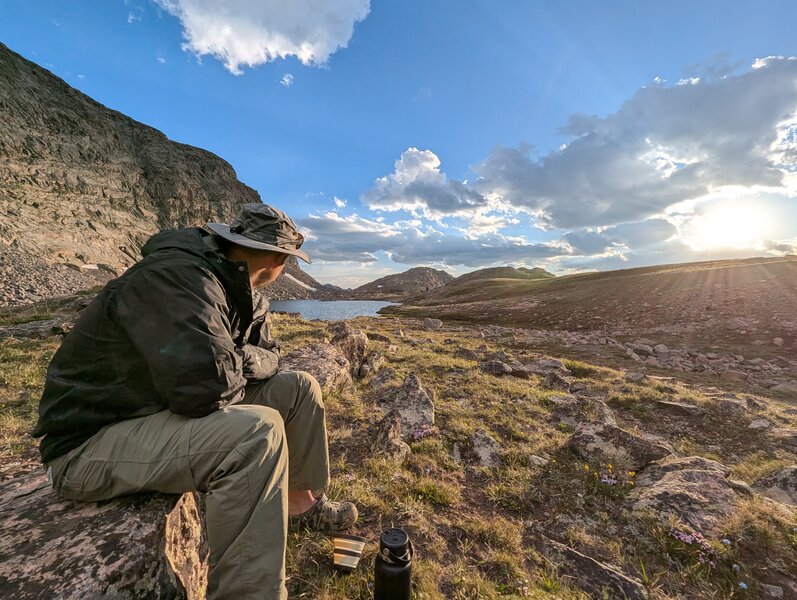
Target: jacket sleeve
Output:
[(261, 353), (175, 314)]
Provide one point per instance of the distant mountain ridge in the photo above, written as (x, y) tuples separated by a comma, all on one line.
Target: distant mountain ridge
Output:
[(414, 282), (506, 273)]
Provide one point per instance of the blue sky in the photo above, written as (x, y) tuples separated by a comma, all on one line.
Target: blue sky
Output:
[(459, 135)]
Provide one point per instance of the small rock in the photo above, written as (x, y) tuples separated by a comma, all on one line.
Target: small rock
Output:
[(634, 377), (773, 591), (789, 387), (607, 442), (777, 341), (466, 353), (538, 461), (352, 343), (387, 438), (554, 381), (760, 424), (547, 365), (495, 367), (371, 364), (733, 375), (733, 406), (382, 378), (377, 337), (432, 324), (780, 486), (486, 448)]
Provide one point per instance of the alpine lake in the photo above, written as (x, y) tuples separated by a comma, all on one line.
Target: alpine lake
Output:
[(329, 310)]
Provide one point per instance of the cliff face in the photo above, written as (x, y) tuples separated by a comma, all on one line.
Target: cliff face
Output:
[(80, 183)]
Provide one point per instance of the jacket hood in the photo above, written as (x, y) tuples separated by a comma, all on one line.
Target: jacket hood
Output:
[(188, 240)]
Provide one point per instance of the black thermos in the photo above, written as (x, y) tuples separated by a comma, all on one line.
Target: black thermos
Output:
[(393, 566)]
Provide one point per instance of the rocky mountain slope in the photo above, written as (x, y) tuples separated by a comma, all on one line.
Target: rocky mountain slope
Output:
[(82, 187), (295, 284), (416, 281)]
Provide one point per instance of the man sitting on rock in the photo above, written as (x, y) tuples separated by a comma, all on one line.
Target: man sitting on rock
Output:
[(169, 382)]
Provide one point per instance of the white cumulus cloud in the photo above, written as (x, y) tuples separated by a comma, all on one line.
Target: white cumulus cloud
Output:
[(417, 185), (663, 146), (243, 33)]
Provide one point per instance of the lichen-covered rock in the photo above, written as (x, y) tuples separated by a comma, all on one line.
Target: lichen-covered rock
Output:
[(694, 489), (594, 577), (780, 486), (325, 362), (554, 381), (140, 546), (495, 367), (371, 363), (604, 441), (544, 366), (352, 343), (387, 438), (432, 324), (571, 410), (383, 378), (413, 402), (486, 448), (466, 353)]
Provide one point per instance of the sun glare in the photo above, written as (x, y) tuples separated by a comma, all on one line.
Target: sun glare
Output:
[(732, 226)]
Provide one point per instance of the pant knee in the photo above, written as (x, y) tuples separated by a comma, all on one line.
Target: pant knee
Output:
[(310, 388), (259, 429)]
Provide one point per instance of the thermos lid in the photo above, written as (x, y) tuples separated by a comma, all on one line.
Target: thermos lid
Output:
[(395, 540)]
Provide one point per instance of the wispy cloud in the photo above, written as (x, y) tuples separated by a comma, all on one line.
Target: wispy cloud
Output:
[(242, 33), (287, 80)]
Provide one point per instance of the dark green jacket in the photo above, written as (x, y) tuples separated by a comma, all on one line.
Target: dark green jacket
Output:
[(179, 330)]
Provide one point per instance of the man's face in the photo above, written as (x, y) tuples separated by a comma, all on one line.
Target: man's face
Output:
[(264, 267)]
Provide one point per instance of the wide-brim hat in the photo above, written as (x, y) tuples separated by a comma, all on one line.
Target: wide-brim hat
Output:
[(263, 227)]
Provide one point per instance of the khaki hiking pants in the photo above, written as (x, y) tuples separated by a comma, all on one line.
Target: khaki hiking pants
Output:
[(243, 458)]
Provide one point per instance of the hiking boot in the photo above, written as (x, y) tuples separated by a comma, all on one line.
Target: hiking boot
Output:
[(325, 515)]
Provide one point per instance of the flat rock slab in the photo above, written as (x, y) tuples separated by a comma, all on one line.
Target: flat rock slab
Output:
[(594, 577), (413, 403), (780, 486), (141, 546), (693, 488), (605, 441), (325, 362)]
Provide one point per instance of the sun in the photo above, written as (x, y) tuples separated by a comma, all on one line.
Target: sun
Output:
[(733, 226)]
